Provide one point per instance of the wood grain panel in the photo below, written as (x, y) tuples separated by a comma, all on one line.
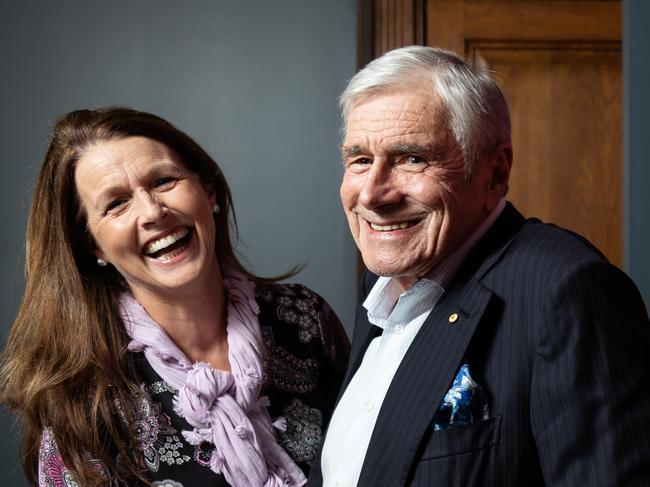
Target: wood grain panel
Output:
[(450, 22), (543, 20), (399, 23), (566, 118)]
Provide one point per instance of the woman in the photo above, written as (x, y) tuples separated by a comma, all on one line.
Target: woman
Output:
[(143, 351)]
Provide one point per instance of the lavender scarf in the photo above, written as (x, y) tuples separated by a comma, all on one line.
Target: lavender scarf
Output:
[(225, 408)]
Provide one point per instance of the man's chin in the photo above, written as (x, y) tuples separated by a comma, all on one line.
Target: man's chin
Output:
[(405, 274), (388, 269)]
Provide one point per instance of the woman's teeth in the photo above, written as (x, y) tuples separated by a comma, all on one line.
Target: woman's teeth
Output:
[(165, 242), (170, 255), (388, 228)]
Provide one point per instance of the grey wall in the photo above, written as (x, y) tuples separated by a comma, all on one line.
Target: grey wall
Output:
[(636, 143), (254, 82)]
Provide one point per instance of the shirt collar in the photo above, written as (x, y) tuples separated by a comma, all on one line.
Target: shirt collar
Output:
[(388, 304)]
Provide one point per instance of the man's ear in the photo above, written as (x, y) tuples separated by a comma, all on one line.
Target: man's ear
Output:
[(500, 164)]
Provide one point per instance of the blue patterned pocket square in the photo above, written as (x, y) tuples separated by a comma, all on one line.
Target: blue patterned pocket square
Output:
[(465, 403)]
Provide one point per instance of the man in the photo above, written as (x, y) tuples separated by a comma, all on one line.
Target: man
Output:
[(490, 350)]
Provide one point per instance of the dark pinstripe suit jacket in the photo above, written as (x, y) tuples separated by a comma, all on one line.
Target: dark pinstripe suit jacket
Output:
[(560, 340)]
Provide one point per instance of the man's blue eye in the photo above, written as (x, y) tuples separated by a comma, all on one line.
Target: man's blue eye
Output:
[(415, 160)]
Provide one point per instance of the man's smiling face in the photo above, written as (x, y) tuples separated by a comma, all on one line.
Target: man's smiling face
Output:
[(404, 190)]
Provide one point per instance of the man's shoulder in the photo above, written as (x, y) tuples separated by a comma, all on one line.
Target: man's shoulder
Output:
[(542, 256), (543, 242)]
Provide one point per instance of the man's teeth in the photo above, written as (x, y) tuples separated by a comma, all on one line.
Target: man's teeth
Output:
[(170, 239), (388, 228)]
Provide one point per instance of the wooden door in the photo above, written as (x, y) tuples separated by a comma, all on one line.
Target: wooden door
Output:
[(559, 65)]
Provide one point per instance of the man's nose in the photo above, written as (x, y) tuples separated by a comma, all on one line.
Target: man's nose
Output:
[(380, 186), (151, 209)]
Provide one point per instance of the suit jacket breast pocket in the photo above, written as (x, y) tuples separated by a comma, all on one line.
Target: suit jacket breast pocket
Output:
[(459, 456)]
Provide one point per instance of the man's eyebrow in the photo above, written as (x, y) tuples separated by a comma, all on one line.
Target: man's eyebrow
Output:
[(351, 151), (399, 149), (393, 150)]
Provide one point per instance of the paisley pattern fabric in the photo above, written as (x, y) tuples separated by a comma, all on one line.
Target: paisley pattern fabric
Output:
[(301, 380), (52, 472), (153, 433), (296, 305), (303, 432), (51, 469), (464, 403)]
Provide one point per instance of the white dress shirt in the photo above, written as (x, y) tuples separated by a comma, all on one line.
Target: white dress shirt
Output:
[(400, 314)]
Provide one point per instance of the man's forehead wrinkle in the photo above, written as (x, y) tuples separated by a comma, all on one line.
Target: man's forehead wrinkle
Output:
[(383, 124), (389, 123)]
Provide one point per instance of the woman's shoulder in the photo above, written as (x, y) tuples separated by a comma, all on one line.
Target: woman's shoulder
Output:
[(297, 320), (297, 311), (286, 293)]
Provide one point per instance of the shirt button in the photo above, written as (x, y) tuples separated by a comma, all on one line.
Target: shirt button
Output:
[(368, 406), (399, 329)]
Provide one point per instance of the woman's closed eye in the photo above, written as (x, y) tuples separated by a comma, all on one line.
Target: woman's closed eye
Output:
[(164, 182), (115, 205)]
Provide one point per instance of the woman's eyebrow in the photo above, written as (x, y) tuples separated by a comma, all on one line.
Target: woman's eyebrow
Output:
[(153, 171)]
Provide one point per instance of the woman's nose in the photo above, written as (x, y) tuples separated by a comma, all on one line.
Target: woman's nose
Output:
[(151, 209)]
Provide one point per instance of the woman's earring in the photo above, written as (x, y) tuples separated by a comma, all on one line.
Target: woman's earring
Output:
[(216, 209), (101, 262)]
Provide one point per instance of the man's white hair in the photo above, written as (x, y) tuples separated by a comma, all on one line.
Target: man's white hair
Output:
[(477, 109)]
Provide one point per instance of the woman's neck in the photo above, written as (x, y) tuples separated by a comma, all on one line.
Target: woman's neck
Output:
[(196, 322)]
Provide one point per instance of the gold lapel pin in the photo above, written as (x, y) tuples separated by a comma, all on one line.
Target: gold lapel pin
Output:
[(453, 317)]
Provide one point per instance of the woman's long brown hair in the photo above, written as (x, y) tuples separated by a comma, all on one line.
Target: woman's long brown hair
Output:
[(65, 365)]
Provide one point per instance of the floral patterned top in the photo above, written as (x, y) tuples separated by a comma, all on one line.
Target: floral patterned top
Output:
[(306, 355)]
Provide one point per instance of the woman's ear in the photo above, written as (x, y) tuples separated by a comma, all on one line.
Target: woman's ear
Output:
[(93, 249), (212, 194), (99, 256)]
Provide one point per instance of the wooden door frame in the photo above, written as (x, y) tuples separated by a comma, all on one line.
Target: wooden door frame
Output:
[(403, 23)]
